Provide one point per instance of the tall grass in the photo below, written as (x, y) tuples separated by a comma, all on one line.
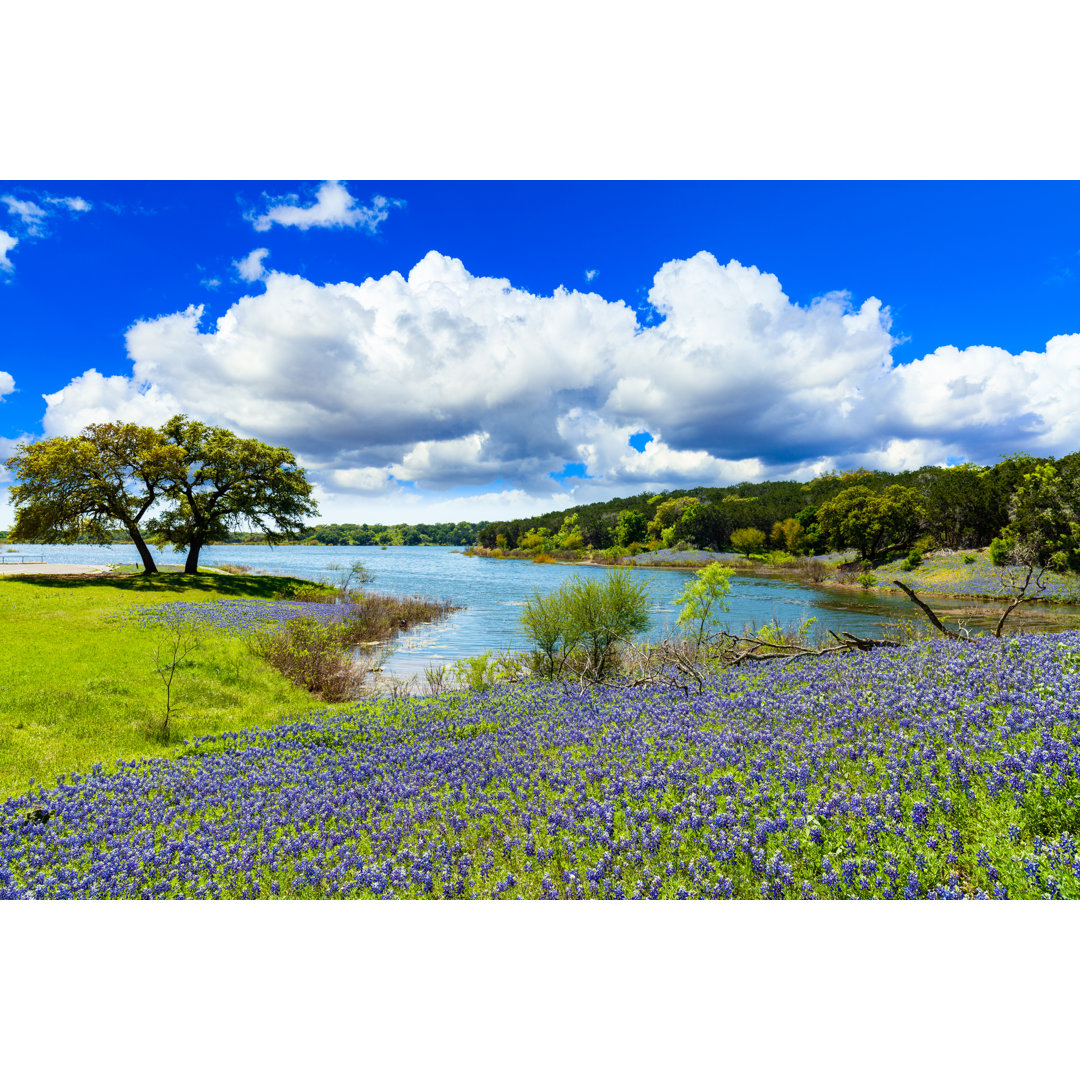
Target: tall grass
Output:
[(333, 657)]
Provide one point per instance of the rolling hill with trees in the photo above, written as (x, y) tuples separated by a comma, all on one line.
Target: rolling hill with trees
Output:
[(961, 506)]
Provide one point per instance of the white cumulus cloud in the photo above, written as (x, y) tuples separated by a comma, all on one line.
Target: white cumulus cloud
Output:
[(992, 396), (334, 206), (93, 398), (250, 267), (424, 386), (735, 365), (7, 384), (7, 242)]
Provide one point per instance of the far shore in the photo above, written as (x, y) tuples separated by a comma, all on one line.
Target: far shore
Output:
[(960, 582)]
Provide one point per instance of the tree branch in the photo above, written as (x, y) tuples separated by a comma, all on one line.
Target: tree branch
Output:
[(929, 614)]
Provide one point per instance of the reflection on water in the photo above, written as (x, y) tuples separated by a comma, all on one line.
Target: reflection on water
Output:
[(491, 592)]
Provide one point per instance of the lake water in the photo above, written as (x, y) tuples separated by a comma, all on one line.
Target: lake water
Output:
[(491, 592)]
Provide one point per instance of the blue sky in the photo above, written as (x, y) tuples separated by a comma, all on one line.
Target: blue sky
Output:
[(439, 349)]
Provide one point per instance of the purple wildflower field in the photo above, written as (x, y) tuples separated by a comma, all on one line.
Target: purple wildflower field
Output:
[(943, 770), (240, 617)]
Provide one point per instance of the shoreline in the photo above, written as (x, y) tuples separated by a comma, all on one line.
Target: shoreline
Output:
[(930, 590)]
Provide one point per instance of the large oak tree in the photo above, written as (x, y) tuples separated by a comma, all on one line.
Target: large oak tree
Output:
[(225, 482), (871, 521), (73, 488)]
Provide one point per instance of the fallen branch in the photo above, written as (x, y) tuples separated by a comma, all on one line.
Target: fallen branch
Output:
[(760, 650), (866, 644), (938, 624)]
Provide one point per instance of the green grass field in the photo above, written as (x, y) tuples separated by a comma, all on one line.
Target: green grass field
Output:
[(78, 684), (970, 574)]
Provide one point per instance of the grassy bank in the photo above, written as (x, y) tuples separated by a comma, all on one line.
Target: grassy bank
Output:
[(970, 574), (80, 683), (944, 769)]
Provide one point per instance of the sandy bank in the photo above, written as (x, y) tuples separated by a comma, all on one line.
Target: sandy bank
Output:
[(14, 569)]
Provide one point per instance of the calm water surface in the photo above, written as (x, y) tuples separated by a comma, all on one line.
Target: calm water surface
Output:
[(491, 593)]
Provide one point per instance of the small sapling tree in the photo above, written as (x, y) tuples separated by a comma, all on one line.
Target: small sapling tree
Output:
[(703, 599), (351, 577), (177, 638)]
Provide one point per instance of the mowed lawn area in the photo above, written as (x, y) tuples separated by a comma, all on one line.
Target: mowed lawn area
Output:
[(79, 683)]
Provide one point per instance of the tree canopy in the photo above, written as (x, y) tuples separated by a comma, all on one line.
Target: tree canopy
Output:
[(870, 521), (1044, 522), (226, 481), (71, 488)]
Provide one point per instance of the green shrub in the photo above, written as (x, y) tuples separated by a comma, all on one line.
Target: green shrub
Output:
[(483, 672), (312, 656), (969, 559), (474, 672), (866, 579), (578, 626), (778, 558), (772, 633), (999, 551), (310, 594)]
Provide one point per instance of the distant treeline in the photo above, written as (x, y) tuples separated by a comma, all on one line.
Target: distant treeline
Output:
[(464, 533), (962, 506), (957, 507)]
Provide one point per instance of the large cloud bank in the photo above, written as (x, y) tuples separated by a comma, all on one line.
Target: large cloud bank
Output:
[(440, 380)]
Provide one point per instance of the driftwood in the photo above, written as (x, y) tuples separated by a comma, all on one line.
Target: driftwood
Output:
[(751, 649), (672, 663)]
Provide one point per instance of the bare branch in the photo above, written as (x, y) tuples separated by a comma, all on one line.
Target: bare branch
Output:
[(928, 613), (1021, 596)]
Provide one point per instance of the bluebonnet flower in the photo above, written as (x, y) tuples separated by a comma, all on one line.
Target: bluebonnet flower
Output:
[(610, 791)]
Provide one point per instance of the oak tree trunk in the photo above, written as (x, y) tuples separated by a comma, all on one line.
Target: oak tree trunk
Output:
[(191, 564), (149, 566)]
